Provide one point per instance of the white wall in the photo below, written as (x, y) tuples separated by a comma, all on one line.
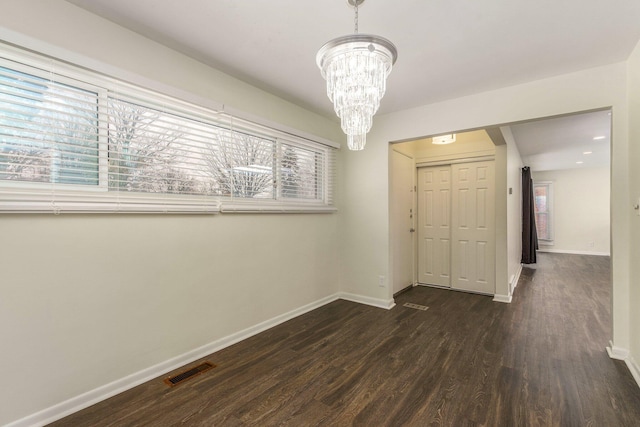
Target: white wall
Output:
[(89, 299), (580, 210), (633, 70), (514, 208), (365, 221)]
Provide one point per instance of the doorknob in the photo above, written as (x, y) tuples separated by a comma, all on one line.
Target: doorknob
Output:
[(411, 230)]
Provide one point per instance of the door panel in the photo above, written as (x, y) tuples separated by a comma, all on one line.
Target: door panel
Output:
[(434, 225), (473, 227)]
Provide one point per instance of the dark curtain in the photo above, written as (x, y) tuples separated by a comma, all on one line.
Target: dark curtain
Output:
[(529, 233)]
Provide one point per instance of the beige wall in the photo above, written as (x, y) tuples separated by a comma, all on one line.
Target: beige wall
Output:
[(514, 207), (89, 299), (365, 230), (580, 210), (633, 70)]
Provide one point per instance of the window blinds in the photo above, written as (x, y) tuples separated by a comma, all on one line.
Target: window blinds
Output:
[(70, 145)]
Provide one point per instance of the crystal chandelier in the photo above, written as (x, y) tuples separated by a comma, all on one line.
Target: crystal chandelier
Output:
[(356, 69)]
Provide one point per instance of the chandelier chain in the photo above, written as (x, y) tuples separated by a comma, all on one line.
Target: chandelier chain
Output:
[(356, 16)]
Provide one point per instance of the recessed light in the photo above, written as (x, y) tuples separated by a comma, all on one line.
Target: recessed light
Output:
[(588, 152), (595, 138), (579, 163)]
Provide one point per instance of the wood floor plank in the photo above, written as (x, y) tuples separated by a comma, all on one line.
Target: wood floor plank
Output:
[(466, 361)]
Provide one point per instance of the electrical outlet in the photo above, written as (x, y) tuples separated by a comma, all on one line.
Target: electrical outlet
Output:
[(381, 281)]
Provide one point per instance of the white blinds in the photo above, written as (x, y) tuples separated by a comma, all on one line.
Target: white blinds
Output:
[(70, 146), (48, 130)]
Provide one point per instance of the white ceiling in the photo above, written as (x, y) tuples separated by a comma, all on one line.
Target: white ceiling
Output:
[(446, 48), (559, 143)]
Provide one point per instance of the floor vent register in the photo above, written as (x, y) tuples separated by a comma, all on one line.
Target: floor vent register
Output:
[(416, 306), (183, 376)]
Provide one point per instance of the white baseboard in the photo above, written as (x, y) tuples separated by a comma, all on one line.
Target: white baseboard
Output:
[(567, 251), (620, 353), (634, 368), (106, 391), (515, 278), (617, 353), (375, 302), (502, 298)]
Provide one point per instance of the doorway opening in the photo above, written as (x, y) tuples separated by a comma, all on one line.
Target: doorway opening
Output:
[(571, 151)]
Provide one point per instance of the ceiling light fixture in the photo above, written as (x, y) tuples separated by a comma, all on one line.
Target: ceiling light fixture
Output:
[(356, 67), (444, 139), (587, 152), (579, 163), (595, 138)]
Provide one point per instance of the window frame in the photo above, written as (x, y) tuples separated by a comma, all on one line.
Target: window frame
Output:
[(27, 197), (548, 185)]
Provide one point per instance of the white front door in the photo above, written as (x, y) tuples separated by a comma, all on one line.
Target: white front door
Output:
[(434, 225), (473, 227), (402, 186)]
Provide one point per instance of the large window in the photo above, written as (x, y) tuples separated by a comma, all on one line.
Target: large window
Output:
[(543, 192), (92, 144), (48, 130)]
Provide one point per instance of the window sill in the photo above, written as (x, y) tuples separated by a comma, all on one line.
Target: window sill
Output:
[(248, 207), (26, 201)]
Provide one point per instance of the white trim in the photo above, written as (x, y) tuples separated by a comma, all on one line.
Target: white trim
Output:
[(502, 298), (19, 198), (422, 164), (262, 207), (106, 391), (634, 368), (620, 353), (568, 251), (617, 353), (549, 211), (375, 302), (515, 279)]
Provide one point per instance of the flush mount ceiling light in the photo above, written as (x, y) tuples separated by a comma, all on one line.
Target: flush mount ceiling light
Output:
[(598, 137), (444, 139), (356, 67)]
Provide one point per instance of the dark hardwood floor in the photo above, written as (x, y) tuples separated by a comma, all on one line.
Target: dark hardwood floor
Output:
[(466, 361)]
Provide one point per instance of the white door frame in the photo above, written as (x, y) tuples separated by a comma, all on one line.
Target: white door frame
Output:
[(402, 213)]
